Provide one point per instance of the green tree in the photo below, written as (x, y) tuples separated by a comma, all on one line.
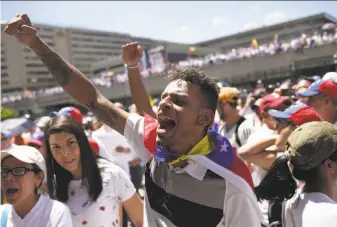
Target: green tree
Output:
[(7, 113)]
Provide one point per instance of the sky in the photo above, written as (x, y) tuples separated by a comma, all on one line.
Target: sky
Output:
[(176, 21)]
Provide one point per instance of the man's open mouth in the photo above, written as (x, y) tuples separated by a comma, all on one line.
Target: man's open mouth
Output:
[(166, 122), (11, 191)]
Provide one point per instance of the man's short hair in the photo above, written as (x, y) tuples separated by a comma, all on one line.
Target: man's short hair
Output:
[(208, 87)]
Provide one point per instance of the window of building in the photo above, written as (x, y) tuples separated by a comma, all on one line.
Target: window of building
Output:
[(3, 75), (93, 53), (85, 59), (38, 73), (35, 65), (46, 37), (47, 29), (32, 58)]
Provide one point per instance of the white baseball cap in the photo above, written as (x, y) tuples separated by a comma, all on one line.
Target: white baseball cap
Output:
[(43, 122), (330, 76), (26, 154)]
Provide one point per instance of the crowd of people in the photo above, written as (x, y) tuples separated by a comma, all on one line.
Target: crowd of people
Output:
[(297, 44), (207, 154)]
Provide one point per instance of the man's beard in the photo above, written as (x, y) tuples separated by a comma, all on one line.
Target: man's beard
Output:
[(223, 116), (161, 141)]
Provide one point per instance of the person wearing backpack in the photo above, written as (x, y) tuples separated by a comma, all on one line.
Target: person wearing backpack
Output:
[(232, 125)]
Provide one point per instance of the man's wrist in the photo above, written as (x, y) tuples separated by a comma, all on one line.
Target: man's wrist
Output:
[(37, 45), (132, 66)]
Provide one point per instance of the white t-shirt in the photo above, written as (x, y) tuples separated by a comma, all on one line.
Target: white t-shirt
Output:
[(311, 210), (112, 139), (260, 133), (245, 129), (259, 173), (45, 213), (117, 187), (335, 187)]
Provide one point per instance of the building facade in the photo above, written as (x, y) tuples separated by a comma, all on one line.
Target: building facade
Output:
[(21, 68)]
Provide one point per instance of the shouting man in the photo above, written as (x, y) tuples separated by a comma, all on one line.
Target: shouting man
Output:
[(193, 177)]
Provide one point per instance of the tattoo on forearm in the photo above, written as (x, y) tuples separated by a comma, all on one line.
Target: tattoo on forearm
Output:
[(104, 112), (57, 67)]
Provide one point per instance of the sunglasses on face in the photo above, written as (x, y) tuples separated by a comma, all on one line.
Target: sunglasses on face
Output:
[(18, 171)]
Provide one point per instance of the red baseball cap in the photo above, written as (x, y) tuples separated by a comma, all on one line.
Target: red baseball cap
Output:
[(298, 114), (36, 142), (272, 102), (72, 112), (325, 87)]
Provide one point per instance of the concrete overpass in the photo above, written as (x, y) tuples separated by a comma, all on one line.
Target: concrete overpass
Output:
[(240, 72)]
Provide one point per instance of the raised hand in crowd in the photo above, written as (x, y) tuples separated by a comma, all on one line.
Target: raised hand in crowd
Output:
[(132, 54), (22, 28), (71, 79)]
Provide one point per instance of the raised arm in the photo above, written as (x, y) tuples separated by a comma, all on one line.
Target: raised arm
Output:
[(132, 53), (71, 79)]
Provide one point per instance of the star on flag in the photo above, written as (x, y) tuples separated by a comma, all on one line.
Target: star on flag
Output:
[(224, 147)]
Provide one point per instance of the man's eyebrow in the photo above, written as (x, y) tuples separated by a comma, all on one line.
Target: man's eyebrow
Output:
[(175, 94)]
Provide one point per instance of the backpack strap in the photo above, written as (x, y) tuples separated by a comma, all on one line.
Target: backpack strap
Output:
[(237, 139), (4, 216)]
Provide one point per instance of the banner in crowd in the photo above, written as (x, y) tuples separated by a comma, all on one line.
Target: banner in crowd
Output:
[(156, 59)]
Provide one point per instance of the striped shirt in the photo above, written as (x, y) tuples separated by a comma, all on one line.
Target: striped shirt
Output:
[(189, 196)]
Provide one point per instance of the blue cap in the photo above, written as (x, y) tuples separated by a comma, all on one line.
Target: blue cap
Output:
[(38, 136), (6, 135), (286, 114), (312, 90), (316, 77)]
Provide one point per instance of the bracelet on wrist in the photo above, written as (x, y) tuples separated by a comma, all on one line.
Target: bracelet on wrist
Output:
[(132, 67)]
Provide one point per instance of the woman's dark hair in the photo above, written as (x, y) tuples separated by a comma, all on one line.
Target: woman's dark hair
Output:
[(278, 183), (58, 177)]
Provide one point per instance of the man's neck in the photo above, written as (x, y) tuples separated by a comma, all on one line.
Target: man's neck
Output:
[(323, 187), (231, 120), (26, 206), (330, 114), (185, 149)]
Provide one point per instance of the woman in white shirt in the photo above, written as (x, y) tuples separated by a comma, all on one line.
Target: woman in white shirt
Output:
[(312, 154), (23, 169), (91, 186)]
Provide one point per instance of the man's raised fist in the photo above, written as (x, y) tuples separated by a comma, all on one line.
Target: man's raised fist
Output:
[(132, 53), (21, 27)]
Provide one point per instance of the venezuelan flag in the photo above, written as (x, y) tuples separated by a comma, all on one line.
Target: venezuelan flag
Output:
[(214, 152)]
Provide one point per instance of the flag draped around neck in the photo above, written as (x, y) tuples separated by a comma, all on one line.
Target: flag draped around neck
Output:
[(214, 149)]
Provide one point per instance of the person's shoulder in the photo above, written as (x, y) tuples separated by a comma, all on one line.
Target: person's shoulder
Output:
[(108, 168), (135, 117), (111, 173), (247, 123), (56, 206)]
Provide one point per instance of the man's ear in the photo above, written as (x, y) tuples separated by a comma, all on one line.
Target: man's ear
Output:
[(206, 117)]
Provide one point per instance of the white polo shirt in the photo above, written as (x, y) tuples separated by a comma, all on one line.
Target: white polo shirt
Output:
[(45, 213)]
